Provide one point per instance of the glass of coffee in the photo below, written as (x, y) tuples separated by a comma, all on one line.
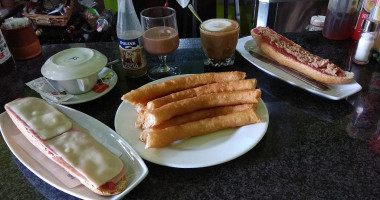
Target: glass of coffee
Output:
[(219, 38), (160, 38)]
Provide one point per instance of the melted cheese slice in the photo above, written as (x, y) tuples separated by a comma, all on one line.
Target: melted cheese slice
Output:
[(45, 120), (85, 154)]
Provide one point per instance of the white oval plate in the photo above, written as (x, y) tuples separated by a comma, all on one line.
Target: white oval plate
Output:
[(201, 151), (336, 92), (136, 167)]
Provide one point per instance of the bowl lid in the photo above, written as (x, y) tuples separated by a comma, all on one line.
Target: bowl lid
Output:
[(73, 63)]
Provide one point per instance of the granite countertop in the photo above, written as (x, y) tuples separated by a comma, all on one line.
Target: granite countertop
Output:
[(314, 148)]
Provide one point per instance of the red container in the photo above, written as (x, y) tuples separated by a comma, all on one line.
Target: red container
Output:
[(340, 19), (365, 11), (22, 42)]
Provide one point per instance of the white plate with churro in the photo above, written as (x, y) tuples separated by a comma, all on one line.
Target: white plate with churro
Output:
[(230, 125)]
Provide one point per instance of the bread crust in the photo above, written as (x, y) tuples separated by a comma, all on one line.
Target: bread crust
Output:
[(40, 144), (283, 59)]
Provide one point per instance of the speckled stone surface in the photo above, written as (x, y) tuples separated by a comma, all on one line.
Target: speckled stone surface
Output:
[(306, 153)]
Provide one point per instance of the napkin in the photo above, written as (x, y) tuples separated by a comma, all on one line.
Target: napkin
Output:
[(52, 91), (49, 89)]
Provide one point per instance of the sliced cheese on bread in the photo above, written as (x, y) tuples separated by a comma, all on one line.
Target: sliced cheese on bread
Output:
[(45, 120), (69, 146)]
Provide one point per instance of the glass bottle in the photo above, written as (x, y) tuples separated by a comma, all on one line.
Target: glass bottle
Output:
[(129, 33)]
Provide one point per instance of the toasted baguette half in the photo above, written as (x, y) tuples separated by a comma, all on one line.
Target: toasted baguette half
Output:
[(292, 55)]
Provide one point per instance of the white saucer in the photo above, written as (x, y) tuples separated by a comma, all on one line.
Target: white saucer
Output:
[(110, 80)]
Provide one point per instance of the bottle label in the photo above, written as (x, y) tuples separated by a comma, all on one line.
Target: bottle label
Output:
[(132, 54), (5, 54)]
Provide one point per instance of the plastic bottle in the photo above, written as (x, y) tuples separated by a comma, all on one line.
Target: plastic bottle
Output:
[(129, 33), (366, 8), (340, 17), (375, 15), (104, 21), (6, 59)]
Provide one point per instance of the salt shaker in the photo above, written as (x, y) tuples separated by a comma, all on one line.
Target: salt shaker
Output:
[(370, 29)]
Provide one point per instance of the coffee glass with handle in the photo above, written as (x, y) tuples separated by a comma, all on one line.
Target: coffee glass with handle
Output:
[(160, 38)]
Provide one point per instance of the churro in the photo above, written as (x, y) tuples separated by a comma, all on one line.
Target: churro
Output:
[(166, 136)]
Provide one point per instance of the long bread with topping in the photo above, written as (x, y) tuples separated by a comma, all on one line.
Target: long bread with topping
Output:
[(73, 149), (292, 55)]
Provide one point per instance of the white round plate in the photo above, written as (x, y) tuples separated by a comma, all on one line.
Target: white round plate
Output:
[(201, 151)]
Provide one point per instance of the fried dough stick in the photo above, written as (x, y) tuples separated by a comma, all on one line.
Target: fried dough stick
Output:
[(149, 92), (194, 116), (202, 114), (198, 115), (166, 136), (140, 119), (201, 90), (170, 110), (245, 84)]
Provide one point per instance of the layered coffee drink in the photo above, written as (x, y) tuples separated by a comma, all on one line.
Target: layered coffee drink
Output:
[(219, 38)]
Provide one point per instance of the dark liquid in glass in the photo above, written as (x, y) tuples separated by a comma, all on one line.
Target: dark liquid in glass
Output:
[(338, 26)]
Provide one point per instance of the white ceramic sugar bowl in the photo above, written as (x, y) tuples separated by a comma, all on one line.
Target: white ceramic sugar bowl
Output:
[(75, 69)]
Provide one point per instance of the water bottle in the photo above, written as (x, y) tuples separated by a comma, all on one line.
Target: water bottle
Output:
[(129, 34), (104, 21)]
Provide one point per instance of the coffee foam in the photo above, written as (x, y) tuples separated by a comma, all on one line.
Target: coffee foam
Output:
[(218, 25)]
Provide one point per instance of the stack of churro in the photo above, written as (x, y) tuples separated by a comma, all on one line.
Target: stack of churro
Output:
[(193, 105)]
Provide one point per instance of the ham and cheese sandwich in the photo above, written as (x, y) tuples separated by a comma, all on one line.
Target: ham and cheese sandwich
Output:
[(292, 55), (69, 146)]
